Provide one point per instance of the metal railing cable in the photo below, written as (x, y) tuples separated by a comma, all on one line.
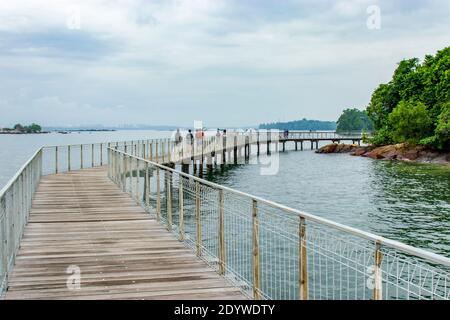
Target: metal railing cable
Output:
[(272, 251), (15, 204)]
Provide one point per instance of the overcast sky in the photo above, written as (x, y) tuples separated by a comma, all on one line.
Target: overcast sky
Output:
[(226, 62)]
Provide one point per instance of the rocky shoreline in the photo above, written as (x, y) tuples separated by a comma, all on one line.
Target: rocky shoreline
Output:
[(401, 151)]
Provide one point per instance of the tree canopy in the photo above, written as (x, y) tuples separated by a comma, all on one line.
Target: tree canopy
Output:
[(354, 120), (32, 128), (303, 124), (414, 106)]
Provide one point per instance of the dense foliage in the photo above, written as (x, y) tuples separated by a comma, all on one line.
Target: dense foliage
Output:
[(303, 124), (414, 106), (354, 120), (32, 128)]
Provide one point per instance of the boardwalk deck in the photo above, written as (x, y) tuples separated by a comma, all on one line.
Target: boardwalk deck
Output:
[(81, 218)]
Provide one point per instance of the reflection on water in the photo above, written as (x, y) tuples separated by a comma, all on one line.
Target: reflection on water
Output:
[(412, 203), (402, 201)]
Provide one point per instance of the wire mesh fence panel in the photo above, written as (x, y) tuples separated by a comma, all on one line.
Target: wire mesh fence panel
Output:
[(15, 205), (238, 236), (275, 252)]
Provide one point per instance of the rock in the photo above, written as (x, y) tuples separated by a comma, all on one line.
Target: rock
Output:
[(343, 148), (359, 151), (405, 152), (401, 151), (329, 148), (374, 155)]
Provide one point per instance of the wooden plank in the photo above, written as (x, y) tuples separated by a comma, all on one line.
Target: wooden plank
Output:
[(82, 219)]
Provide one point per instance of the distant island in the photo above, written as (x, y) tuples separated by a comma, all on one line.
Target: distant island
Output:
[(354, 120), (303, 124), (99, 127), (21, 129)]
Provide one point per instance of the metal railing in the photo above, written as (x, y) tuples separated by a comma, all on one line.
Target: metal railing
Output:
[(267, 249), (64, 158), (275, 252), (321, 135), (15, 205)]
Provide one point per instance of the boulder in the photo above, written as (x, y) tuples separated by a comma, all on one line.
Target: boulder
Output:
[(338, 148)]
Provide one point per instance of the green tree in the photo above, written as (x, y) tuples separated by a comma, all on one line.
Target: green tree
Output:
[(442, 132), (427, 83), (354, 120), (383, 101), (35, 128), (410, 122), (19, 127)]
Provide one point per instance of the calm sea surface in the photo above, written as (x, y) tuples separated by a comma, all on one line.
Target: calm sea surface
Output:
[(401, 201), (15, 150)]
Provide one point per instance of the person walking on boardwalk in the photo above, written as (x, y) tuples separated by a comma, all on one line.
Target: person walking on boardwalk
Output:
[(190, 143), (190, 137), (178, 137)]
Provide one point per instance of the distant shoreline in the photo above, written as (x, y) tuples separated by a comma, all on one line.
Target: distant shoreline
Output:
[(43, 132), (58, 131)]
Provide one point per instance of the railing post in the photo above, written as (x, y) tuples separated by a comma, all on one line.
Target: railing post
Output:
[(169, 148), (130, 174), (198, 219), (68, 158), (181, 208), (151, 151), (101, 154), (303, 262), (147, 188), (169, 199), (110, 166), (4, 243), (115, 156), (56, 159), (137, 181), (377, 288), (92, 155), (81, 156), (124, 172), (158, 195), (221, 234), (255, 233)]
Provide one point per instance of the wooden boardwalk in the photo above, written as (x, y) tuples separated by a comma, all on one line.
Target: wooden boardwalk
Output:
[(82, 219)]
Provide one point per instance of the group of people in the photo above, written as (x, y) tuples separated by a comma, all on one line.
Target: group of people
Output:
[(199, 135)]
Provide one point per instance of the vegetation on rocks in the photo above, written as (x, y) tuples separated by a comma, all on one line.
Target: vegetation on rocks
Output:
[(412, 108)]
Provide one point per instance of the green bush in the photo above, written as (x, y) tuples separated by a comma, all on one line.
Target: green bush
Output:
[(382, 137), (414, 106), (410, 122), (442, 132)]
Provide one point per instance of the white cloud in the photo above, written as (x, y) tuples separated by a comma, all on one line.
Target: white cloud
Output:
[(151, 56)]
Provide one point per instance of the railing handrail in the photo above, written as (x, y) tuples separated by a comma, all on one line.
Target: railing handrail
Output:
[(18, 173), (104, 143), (421, 253)]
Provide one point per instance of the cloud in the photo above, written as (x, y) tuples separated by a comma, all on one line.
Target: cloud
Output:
[(258, 59)]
